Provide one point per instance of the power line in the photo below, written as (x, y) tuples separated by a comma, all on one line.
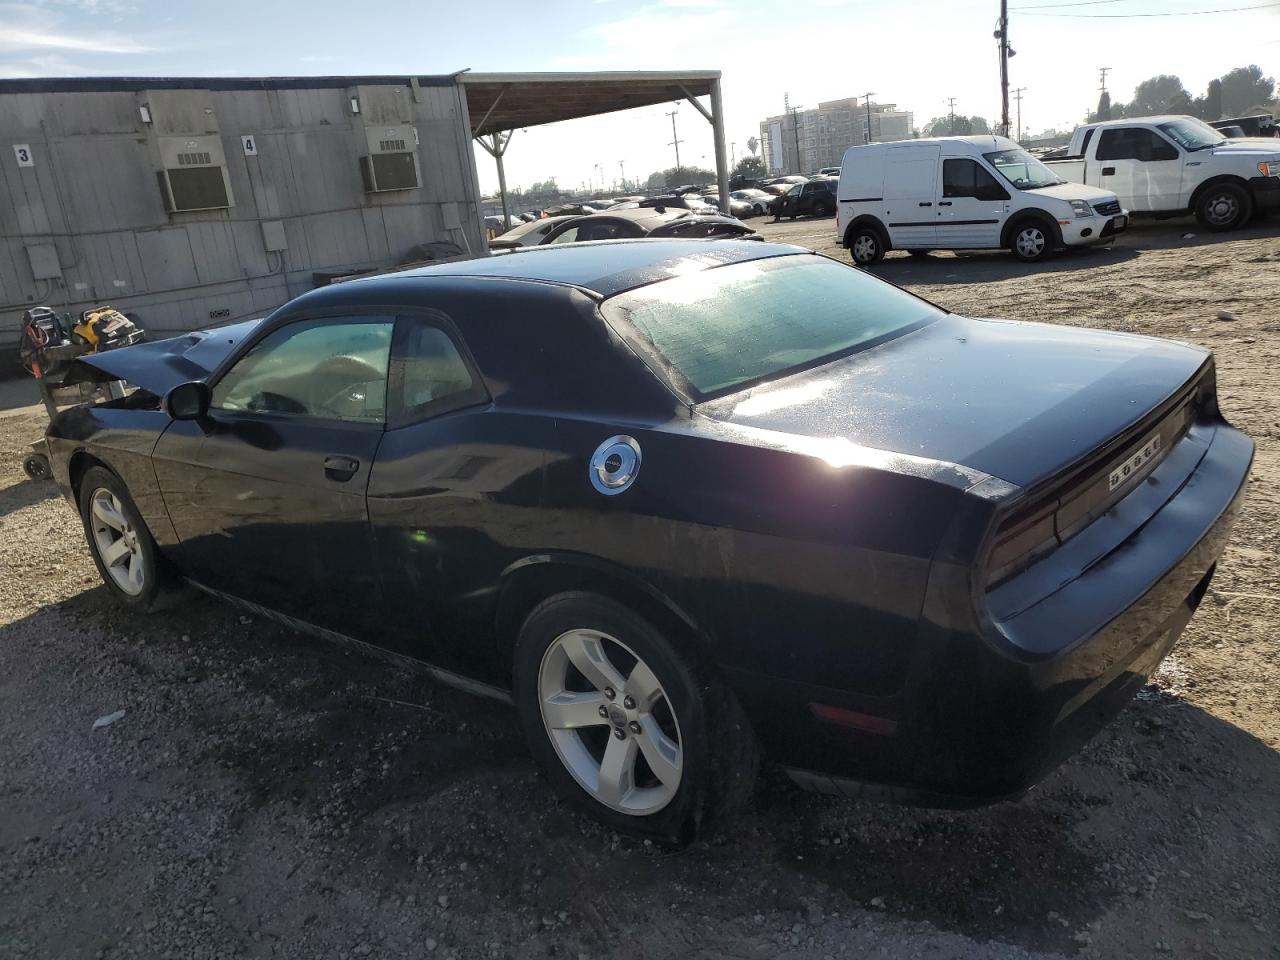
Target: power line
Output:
[(1078, 3), (1167, 13)]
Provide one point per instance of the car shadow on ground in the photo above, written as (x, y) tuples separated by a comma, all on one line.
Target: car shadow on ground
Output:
[(964, 267), (400, 780), (24, 493)]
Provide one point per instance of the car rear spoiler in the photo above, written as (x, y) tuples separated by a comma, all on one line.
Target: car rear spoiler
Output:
[(161, 365)]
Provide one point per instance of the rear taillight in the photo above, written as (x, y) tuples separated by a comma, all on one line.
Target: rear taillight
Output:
[(1032, 531), (1027, 535)]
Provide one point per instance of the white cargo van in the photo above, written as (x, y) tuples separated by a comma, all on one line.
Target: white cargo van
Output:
[(964, 193)]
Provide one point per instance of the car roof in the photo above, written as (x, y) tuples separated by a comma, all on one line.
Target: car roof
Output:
[(1129, 121), (602, 267)]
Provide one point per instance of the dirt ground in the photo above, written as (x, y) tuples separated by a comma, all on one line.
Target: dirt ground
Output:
[(266, 795)]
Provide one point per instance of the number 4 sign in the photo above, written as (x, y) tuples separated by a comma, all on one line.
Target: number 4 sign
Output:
[(23, 152), (250, 146)]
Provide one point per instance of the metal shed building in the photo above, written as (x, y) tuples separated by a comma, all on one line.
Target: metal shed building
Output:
[(196, 201)]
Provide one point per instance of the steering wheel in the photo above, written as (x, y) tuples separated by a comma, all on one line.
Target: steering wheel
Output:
[(353, 372)]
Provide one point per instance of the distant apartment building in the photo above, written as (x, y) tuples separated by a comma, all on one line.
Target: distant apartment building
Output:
[(821, 135)]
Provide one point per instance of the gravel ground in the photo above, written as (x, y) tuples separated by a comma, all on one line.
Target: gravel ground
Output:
[(265, 795)]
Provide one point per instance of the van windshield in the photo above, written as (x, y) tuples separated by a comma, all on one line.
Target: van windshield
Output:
[(717, 330), (1022, 169)]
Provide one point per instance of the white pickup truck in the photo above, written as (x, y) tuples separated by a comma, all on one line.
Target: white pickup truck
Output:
[(1175, 165)]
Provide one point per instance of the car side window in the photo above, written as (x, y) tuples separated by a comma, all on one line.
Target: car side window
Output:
[(429, 375), (959, 178), (963, 177), (569, 235), (1134, 143), (335, 369)]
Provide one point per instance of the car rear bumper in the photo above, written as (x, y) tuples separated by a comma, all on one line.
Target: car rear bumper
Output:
[(982, 718)]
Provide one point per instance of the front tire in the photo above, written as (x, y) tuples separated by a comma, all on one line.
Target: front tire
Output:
[(1224, 206), (866, 247), (122, 547), (628, 729), (1030, 241)]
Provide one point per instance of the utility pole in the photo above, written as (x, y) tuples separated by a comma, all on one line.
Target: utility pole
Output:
[(951, 106), (622, 173), (867, 97), (1017, 95), (1002, 36), (1102, 72), (675, 139)]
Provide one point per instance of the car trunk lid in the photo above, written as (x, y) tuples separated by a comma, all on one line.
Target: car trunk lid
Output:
[(1019, 401)]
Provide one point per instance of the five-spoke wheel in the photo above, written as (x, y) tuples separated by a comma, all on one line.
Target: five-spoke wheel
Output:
[(120, 542), (629, 724), (610, 721)]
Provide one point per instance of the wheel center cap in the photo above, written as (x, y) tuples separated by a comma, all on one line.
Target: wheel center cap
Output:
[(617, 716)]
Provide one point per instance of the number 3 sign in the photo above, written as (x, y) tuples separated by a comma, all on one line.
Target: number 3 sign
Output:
[(23, 152)]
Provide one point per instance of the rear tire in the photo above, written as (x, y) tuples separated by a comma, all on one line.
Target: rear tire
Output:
[(123, 550), (866, 246), (668, 756), (1030, 241), (1224, 206)]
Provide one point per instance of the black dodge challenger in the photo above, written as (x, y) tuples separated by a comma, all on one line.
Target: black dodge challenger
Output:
[(684, 503)]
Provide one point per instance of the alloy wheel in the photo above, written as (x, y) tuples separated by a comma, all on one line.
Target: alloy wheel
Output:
[(1030, 242), (610, 722), (117, 543)]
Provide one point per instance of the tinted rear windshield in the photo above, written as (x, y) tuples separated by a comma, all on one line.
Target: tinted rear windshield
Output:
[(722, 329)]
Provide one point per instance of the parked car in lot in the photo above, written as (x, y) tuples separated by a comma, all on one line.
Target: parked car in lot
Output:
[(647, 222), (813, 198), (829, 172), (528, 234), (684, 502), (759, 200), (1175, 165), (965, 193), (570, 210), (738, 207)]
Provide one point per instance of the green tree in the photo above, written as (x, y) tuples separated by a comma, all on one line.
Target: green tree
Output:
[(749, 168), (1104, 107), (1212, 104), (1160, 94), (1244, 88), (963, 126), (679, 176)]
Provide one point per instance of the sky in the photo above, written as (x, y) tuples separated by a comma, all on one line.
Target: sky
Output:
[(914, 54)]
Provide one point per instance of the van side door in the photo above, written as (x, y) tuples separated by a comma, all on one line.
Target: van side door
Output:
[(972, 205), (1142, 167), (910, 177)]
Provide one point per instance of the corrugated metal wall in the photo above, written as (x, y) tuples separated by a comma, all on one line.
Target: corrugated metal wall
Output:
[(93, 193)]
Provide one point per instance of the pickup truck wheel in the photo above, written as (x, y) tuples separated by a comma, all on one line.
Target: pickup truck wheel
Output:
[(866, 247), (1224, 206), (1030, 242)]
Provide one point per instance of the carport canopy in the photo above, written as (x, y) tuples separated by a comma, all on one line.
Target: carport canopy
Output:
[(500, 103)]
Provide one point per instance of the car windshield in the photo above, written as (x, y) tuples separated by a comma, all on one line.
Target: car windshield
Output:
[(1022, 170), (1192, 134), (719, 329)]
